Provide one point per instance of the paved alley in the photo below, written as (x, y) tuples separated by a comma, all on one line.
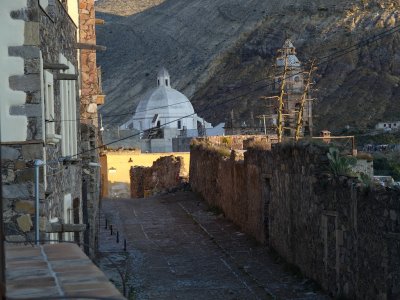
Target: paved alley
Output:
[(176, 249)]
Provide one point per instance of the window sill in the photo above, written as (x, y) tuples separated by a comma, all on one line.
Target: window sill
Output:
[(53, 139)]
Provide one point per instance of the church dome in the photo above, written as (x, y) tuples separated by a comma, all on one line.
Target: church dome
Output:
[(164, 105)]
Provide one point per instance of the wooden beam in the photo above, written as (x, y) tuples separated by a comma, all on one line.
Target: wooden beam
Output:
[(66, 77), (99, 22), (87, 46), (57, 227), (55, 66)]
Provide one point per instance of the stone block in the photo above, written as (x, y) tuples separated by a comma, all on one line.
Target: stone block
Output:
[(8, 176), (339, 237), (19, 165), (32, 152), (26, 175), (33, 97), (92, 108), (16, 191), (29, 110), (25, 207), (9, 153), (8, 215), (34, 128), (25, 14), (30, 82), (32, 66), (42, 223), (24, 51), (393, 215), (31, 33), (25, 223), (15, 238)]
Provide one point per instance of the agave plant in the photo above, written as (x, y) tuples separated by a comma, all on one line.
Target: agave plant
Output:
[(339, 165)]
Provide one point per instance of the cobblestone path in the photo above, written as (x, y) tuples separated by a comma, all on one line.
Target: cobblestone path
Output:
[(176, 249)]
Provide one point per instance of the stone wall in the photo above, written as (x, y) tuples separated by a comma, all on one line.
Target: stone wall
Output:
[(62, 179), (238, 142), (90, 88), (91, 96), (91, 186), (233, 184), (166, 173), (116, 166), (48, 33), (339, 232)]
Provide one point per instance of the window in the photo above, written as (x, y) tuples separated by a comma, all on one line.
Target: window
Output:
[(166, 82), (48, 90), (179, 124), (384, 125), (158, 82), (158, 124), (69, 129)]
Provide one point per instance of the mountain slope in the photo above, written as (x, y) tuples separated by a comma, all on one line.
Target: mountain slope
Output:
[(216, 50), (125, 7), (187, 37)]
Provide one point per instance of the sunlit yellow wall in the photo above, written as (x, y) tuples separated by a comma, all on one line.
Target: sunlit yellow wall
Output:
[(73, 11), (120, 161)]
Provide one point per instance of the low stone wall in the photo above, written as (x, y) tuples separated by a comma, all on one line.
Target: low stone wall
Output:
[(166, 173), (339, 232), (238, 142)]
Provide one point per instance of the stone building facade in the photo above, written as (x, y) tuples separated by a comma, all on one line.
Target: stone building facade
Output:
[(91, 97), (39, 74), (295, 85), (40, 119), (338, 231)]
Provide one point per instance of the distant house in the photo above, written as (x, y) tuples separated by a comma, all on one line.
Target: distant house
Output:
[(388, 126)]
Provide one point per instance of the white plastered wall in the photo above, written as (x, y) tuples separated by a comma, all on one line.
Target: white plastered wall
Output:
[(13, 128)]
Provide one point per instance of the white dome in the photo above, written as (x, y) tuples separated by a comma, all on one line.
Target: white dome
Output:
[(164, 106)]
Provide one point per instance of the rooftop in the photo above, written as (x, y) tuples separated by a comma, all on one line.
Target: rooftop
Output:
[(58, 270)]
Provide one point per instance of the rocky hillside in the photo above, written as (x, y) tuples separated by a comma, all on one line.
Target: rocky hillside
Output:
[(222, 51), (125, 7)]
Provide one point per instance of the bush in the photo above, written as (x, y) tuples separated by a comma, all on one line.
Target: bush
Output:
[(387, 166)]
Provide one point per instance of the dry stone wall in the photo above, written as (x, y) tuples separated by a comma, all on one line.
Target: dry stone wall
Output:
[(339, 232), (166, 173)]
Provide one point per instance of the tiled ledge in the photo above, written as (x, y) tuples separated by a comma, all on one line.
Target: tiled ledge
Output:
[(54, 270)]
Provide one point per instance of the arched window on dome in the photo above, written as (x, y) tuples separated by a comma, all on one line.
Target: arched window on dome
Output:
[(158, 82)]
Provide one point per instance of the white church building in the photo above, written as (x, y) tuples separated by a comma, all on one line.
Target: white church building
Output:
[(164, 109)]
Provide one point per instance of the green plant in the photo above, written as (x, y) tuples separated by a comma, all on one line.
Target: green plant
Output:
[(365, 179), (227, 141), (222, 151), (387, 165), (339, 165)]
